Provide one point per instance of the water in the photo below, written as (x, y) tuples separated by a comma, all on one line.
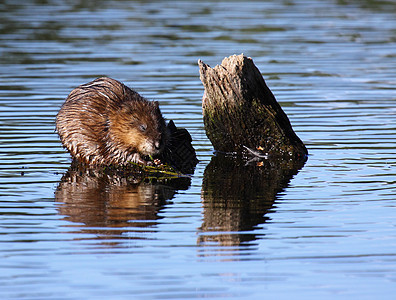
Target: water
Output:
[(325, 231)]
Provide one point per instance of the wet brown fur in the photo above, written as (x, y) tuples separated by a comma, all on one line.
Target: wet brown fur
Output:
[(104, 122)]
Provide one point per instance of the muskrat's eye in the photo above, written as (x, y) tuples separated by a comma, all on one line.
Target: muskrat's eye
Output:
[(143, 127)]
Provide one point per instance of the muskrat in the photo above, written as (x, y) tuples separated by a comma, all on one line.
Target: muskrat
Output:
[(105, 122)]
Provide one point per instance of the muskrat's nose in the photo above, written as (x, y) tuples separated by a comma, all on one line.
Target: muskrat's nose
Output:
[(157, 145)]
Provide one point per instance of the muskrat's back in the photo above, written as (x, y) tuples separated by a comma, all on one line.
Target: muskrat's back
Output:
[(104, 122)]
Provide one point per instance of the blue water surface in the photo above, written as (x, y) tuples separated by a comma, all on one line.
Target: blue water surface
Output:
[(326, 231)]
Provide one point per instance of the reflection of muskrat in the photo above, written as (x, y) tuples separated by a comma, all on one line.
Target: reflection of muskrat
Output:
[(104, 122)]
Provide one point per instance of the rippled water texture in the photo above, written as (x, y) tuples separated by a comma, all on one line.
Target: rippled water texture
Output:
[(325, 231)]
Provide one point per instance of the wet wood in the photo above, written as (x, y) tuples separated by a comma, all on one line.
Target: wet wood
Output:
[(240, 112), (179, 152)]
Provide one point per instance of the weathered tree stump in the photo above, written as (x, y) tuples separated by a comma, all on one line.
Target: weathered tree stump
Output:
[(240, 112)]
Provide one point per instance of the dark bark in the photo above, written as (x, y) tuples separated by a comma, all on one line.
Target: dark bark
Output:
[(240, 111)]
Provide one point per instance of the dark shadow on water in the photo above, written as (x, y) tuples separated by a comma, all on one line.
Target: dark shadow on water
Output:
[(237, 195), (111, 206)]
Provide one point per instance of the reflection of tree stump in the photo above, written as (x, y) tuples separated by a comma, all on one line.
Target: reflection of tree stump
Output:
[(240, 111), (236, 196)]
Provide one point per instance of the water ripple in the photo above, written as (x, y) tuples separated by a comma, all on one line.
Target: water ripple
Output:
[(326, 231)]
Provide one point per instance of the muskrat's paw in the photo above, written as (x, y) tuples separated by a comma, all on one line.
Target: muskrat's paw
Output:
[(148, 163), (146, 160), (138, 159), (153, 162), (157, 162)]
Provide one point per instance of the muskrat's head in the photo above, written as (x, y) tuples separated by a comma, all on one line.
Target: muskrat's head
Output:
[(139, 127)]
